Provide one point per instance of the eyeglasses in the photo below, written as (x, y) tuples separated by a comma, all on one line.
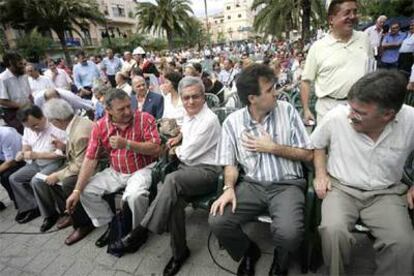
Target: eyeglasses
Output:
[(195, 97)]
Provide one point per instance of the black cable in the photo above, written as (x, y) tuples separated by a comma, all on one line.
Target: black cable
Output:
[(28, 233), (214, 260)]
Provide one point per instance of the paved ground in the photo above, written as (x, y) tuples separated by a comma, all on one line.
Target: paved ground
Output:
[(46, 254)]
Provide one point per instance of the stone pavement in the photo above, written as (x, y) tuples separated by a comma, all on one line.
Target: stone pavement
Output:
[(46, 254)]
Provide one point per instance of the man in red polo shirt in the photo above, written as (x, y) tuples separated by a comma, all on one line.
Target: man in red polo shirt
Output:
[(132, 143)]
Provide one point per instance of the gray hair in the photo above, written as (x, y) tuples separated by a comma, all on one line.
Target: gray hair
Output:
[(190, 81), (58, 109), (115, 94)]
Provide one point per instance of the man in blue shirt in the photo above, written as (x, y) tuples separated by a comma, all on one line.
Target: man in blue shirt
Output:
[(10, 145), (84, 74), (111, 65), (391, 45)]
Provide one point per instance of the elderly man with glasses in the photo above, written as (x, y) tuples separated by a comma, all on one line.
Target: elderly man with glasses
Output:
[(197, 175)]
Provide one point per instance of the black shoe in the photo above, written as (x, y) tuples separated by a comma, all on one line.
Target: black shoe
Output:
[(249, 260), (104, 239), (48, 223), (2, 206), (174, 265), (279, 265), (20, 215), (131, 242), (30, 215)]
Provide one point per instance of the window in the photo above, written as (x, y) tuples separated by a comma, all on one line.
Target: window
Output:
[(237, 6), (221, 20), (228, 7), (229, 17), (239, 15), (118, 11)]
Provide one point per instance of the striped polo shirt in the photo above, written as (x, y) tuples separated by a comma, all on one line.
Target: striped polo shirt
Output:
[(284, 125)]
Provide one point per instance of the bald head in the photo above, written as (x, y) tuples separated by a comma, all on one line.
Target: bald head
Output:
[(51, 94)]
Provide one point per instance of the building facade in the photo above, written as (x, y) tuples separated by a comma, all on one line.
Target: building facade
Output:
[(234, 23), (121, 22)]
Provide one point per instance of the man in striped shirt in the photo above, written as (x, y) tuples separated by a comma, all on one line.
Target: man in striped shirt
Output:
[(131, 142), (267, 139)]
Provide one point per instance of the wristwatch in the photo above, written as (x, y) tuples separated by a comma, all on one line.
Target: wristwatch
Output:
[(226, 187)]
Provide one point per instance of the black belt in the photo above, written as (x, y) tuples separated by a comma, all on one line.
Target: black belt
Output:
[(338, 99)]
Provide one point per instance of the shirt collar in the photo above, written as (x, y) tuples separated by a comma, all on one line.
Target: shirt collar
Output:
[(248, 121), (332, 40), (198, 116)]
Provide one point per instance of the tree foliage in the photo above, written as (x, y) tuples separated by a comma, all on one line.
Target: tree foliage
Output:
[(390, 8), (170, 17), (56, 15), (276, 16), (33, 45)]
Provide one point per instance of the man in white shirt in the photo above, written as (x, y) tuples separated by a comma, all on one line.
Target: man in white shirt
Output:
[(226, 75), (197, 175), (41, 156), (74, 100), (37, 82), (375, 33), (128, 63), (14, 89), (58, 76), (335, 62), (367, 144)]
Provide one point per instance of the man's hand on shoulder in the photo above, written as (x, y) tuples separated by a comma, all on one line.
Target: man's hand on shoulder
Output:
[(228, 196)]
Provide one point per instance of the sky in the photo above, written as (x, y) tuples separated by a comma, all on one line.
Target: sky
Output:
[(213, 6)]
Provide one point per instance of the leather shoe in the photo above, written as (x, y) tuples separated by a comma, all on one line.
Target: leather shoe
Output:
[(131, 242), (249, 260), (78, 234), (2, 206), (174, 265), (104, 239), (29, 216), (64, 222), (20, 215), (48, 223), (279, 265)]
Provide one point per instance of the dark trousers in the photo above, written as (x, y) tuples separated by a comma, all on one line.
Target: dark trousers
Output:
[(166, 213), (111, 79), (385, 65), (284, 204), (61, 193), (4, 180), (405, 61)]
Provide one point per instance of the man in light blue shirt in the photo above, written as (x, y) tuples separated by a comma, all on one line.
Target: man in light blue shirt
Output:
[(391, 45), (10, 145), (85, 73), (111, 65)]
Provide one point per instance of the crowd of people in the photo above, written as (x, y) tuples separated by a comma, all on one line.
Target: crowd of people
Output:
[(71, 136)]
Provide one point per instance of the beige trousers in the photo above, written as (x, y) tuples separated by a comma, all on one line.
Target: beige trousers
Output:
[(384, 212)]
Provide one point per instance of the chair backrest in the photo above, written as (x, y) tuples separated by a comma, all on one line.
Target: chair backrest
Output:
[(212, 100)]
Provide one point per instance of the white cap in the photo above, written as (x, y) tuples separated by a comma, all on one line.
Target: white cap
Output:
[(138, 51)]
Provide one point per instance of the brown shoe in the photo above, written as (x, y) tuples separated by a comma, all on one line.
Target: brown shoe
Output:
[(64, 222), (78, 234)]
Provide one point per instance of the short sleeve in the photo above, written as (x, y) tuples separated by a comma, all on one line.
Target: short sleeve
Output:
[(321, 136), (225, 152), (92, 151)]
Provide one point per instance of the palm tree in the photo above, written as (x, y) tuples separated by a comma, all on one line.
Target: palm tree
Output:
[(57, 15), (164, 16), (276, 16)]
